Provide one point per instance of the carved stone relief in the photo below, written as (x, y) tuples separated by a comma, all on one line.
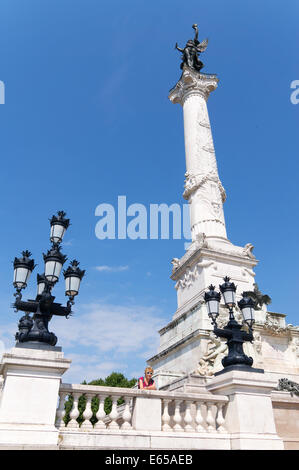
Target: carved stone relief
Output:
[(191, 274), (215, 351)]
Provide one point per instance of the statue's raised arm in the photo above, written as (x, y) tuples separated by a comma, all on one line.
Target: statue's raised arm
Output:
[(195, 27)]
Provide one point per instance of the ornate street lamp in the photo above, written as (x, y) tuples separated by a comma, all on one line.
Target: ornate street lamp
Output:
[(73, 275), (54, 261), (59, 225), (212, 299), (35, 328), (228, 290), (232, 331), (23, 267), (246, 305)]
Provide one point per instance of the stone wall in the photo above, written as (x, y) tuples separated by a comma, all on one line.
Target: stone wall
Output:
[(286, 416)]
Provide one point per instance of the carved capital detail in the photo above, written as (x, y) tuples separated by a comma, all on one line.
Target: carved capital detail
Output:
[(192, 83)]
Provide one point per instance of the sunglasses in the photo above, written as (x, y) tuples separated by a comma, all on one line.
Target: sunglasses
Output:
[(149, 373)]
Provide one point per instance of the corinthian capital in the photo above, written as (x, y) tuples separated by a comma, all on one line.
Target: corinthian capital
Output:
[(192, 82)]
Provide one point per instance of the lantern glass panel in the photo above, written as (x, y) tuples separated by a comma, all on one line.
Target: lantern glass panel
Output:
[(57, 233), (248, 314), (40, 288), (52, 270), (229, 297), (21, 276), (72, 284), (213, 307)]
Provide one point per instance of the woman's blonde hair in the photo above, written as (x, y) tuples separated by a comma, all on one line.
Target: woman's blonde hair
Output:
[(148, 368)]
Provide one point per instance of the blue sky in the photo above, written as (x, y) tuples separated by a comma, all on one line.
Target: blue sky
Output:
[(87, 118)]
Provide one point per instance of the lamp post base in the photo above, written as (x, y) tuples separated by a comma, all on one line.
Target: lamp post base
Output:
[(237, 358), (239, 367)]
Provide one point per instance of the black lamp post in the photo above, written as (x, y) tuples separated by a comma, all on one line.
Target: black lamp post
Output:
[(35, 328), (232, 331)]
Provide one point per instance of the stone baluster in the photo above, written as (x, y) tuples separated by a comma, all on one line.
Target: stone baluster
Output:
[(87, 415), (74, 412), (127, 414), (60, 413), (101, 413), (210, 418), (114, 414), (166, 416), (177, 416), (199, 418), (188, 417), (220, 418)]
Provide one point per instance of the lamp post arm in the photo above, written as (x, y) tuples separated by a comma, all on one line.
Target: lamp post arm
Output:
[(29, 306), (223, 333), (59, 310), (248, 336)]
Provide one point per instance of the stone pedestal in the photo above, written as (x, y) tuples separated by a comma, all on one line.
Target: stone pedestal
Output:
[(145, 417), (32, 374), (249, 415)]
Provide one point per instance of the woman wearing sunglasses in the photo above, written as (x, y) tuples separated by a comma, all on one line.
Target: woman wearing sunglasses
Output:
[(147, 382)]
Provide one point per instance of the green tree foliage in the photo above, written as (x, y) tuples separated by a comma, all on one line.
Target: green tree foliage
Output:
[(115, 379)]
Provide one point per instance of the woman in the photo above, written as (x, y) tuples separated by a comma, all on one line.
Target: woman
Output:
[(147, 382)]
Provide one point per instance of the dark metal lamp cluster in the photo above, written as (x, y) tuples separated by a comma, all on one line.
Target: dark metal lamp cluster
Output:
[(232, 332), (35, 328)]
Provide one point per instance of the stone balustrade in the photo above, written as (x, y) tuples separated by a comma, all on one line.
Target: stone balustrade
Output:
[(178, 412)]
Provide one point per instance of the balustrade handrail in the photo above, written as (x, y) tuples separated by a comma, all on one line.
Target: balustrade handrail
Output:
[(131, 392)]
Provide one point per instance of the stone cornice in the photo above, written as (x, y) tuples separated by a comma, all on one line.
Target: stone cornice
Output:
[(179, 319), (195, 334), (219, 255)]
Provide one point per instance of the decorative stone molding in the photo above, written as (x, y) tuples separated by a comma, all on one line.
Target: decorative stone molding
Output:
[(294, 346), (193, 182), (272, 326)]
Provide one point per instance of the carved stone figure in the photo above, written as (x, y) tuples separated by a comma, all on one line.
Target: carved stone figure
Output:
[(289, 386), (175, 263), (247, 250), (215, 348), (201, 239), (191, 51)]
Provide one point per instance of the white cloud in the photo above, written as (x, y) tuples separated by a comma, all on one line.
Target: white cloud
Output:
[(112, 269), (103, 338), (111, 328), (68, 242)]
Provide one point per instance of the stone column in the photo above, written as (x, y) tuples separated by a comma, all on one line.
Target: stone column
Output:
[(203, 189), (32, 375)]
